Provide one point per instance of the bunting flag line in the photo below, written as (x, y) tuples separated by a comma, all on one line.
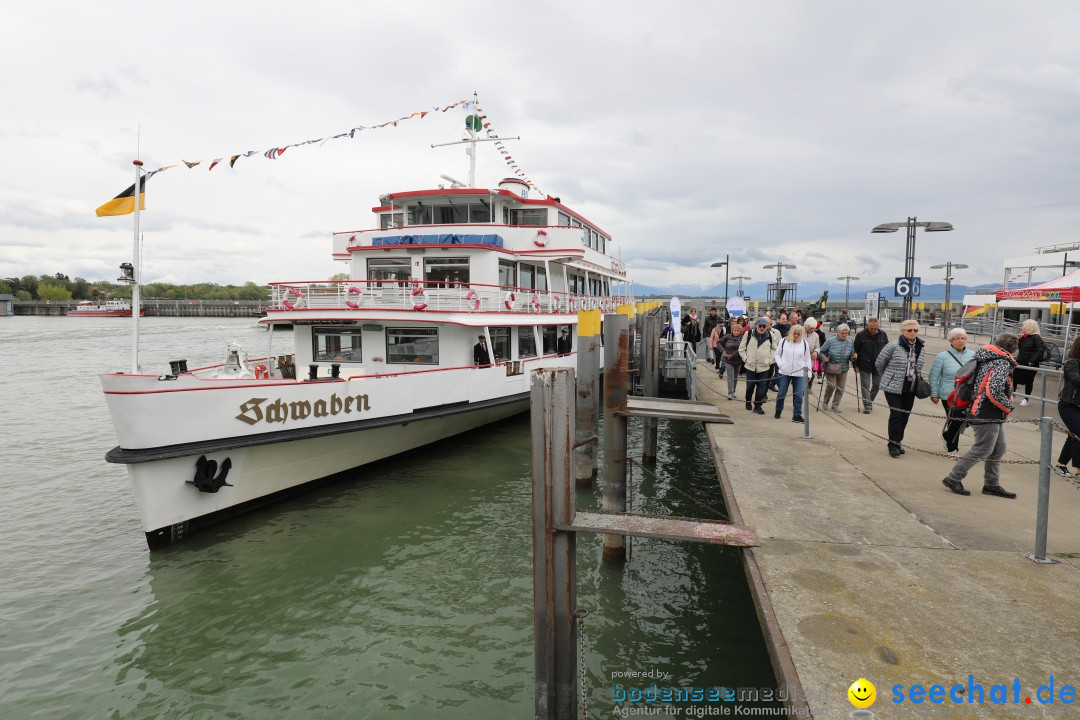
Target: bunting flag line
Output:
[(124, 203)]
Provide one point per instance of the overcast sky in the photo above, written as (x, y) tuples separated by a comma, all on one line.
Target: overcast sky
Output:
[(688, 130)]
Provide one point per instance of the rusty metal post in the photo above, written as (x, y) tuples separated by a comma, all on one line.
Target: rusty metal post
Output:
[(616, 347), (588, 395), (554, 566), (650, 379)]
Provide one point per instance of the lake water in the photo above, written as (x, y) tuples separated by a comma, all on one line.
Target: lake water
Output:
[(402, 592)]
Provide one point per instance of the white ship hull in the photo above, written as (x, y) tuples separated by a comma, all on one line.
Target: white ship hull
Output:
[(171, 507)]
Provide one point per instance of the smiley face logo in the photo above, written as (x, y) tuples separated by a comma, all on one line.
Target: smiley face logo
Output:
[(862, 693)]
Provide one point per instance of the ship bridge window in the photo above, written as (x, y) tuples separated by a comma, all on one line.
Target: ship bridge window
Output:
[(529, 216), (388, 269), (452, 214), (419, 214), (418, 346), (479, 213), (390, 220), (330, 344), (526, 342), (446, 272), (564, 219)]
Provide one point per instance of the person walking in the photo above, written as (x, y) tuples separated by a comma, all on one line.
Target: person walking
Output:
[(835, 355), (691, 330), (1028, 357), (710, 322), (793, 366), (757, 350), (1069, 409), (900, 363), (943, 380), (869, 343), (727, 352), (987, 414)]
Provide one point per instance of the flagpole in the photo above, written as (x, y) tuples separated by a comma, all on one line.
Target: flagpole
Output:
[(137, 262)]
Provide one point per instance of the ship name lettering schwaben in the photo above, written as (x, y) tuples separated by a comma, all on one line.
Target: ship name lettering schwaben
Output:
[(278, 411)]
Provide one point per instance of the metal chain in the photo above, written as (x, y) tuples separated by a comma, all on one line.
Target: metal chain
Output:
[(580, 614)]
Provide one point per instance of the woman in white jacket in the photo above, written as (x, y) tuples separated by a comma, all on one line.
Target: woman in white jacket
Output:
[(793, 366)]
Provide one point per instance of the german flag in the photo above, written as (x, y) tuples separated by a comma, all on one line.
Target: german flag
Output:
[(124, 203)]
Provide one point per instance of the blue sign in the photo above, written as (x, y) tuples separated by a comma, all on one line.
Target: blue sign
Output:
[(907, 287)]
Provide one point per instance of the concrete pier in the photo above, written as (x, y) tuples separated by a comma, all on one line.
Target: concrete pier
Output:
[(870, 568)]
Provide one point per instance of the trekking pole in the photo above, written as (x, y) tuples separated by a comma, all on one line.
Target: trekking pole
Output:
[(858, 393)]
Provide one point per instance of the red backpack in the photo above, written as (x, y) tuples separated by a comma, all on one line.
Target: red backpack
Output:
[(964, 393)]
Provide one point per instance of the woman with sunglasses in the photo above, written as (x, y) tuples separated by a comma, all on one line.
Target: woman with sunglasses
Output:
[(900, 363)]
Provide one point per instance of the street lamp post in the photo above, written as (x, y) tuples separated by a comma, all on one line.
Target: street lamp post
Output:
[(909, 258), (847, 287), (725, 265), (740, 278), (949, 267)]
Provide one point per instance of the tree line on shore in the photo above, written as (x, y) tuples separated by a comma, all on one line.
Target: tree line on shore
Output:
[(61, 287)]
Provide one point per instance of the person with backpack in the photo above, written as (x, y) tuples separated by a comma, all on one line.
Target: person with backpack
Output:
[(1069, 409), (868, 345), (943, 377), (727, 353), (900, 365), (757, 350), (1030, 354), (990, 408), (793, 366)]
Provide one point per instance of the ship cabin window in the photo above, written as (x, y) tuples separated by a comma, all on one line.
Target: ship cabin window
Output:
[(479, 213), (507, 274), (446, 272), (419, 214), (417, 346), (390, 220), (380, 270), (541, 279), (549, 335), (451, 214), (500, 343), (527, 274), (529, 216), (577, 284), (332, 344), (526, 342), (564, 219), (603, 244)]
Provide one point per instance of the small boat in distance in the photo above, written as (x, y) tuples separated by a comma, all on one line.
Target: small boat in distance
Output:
[(452, 297), (106, 308)]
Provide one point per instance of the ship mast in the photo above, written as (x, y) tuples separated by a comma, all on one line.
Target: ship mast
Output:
[(473, 124)]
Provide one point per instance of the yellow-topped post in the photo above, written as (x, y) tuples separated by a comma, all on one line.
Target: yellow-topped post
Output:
[(587, 406)]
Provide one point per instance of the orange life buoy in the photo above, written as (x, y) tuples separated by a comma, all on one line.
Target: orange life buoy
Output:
[(536, 303), (508, 301), (541, 238), (471, 295), (353, 291), (419, 298), (261, 373)]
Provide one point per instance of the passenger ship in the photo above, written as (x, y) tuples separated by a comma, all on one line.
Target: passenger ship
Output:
[(384, 361), (106, 308)]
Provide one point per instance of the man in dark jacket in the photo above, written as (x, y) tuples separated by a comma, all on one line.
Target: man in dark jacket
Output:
[(987, 415), (868, 344)]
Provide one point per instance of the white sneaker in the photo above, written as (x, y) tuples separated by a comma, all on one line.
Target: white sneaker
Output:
[(954, 453), (1023, 402)]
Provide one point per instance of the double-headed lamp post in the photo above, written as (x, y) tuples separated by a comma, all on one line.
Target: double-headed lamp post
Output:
[(847, 287), (740, 278), (909, 258), (780, 267), (949, 267), (725, 264)]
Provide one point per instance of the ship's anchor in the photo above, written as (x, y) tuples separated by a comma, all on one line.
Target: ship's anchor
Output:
[(207, 478)]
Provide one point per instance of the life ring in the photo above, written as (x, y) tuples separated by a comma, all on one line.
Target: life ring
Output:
[(535, 303), (471, 295), (353, 291), (508, 301), (541, 238), (261, 373), (570, 304), (299, 296), (419, 298)]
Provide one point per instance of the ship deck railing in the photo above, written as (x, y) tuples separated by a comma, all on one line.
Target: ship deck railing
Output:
[(415, 295)]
